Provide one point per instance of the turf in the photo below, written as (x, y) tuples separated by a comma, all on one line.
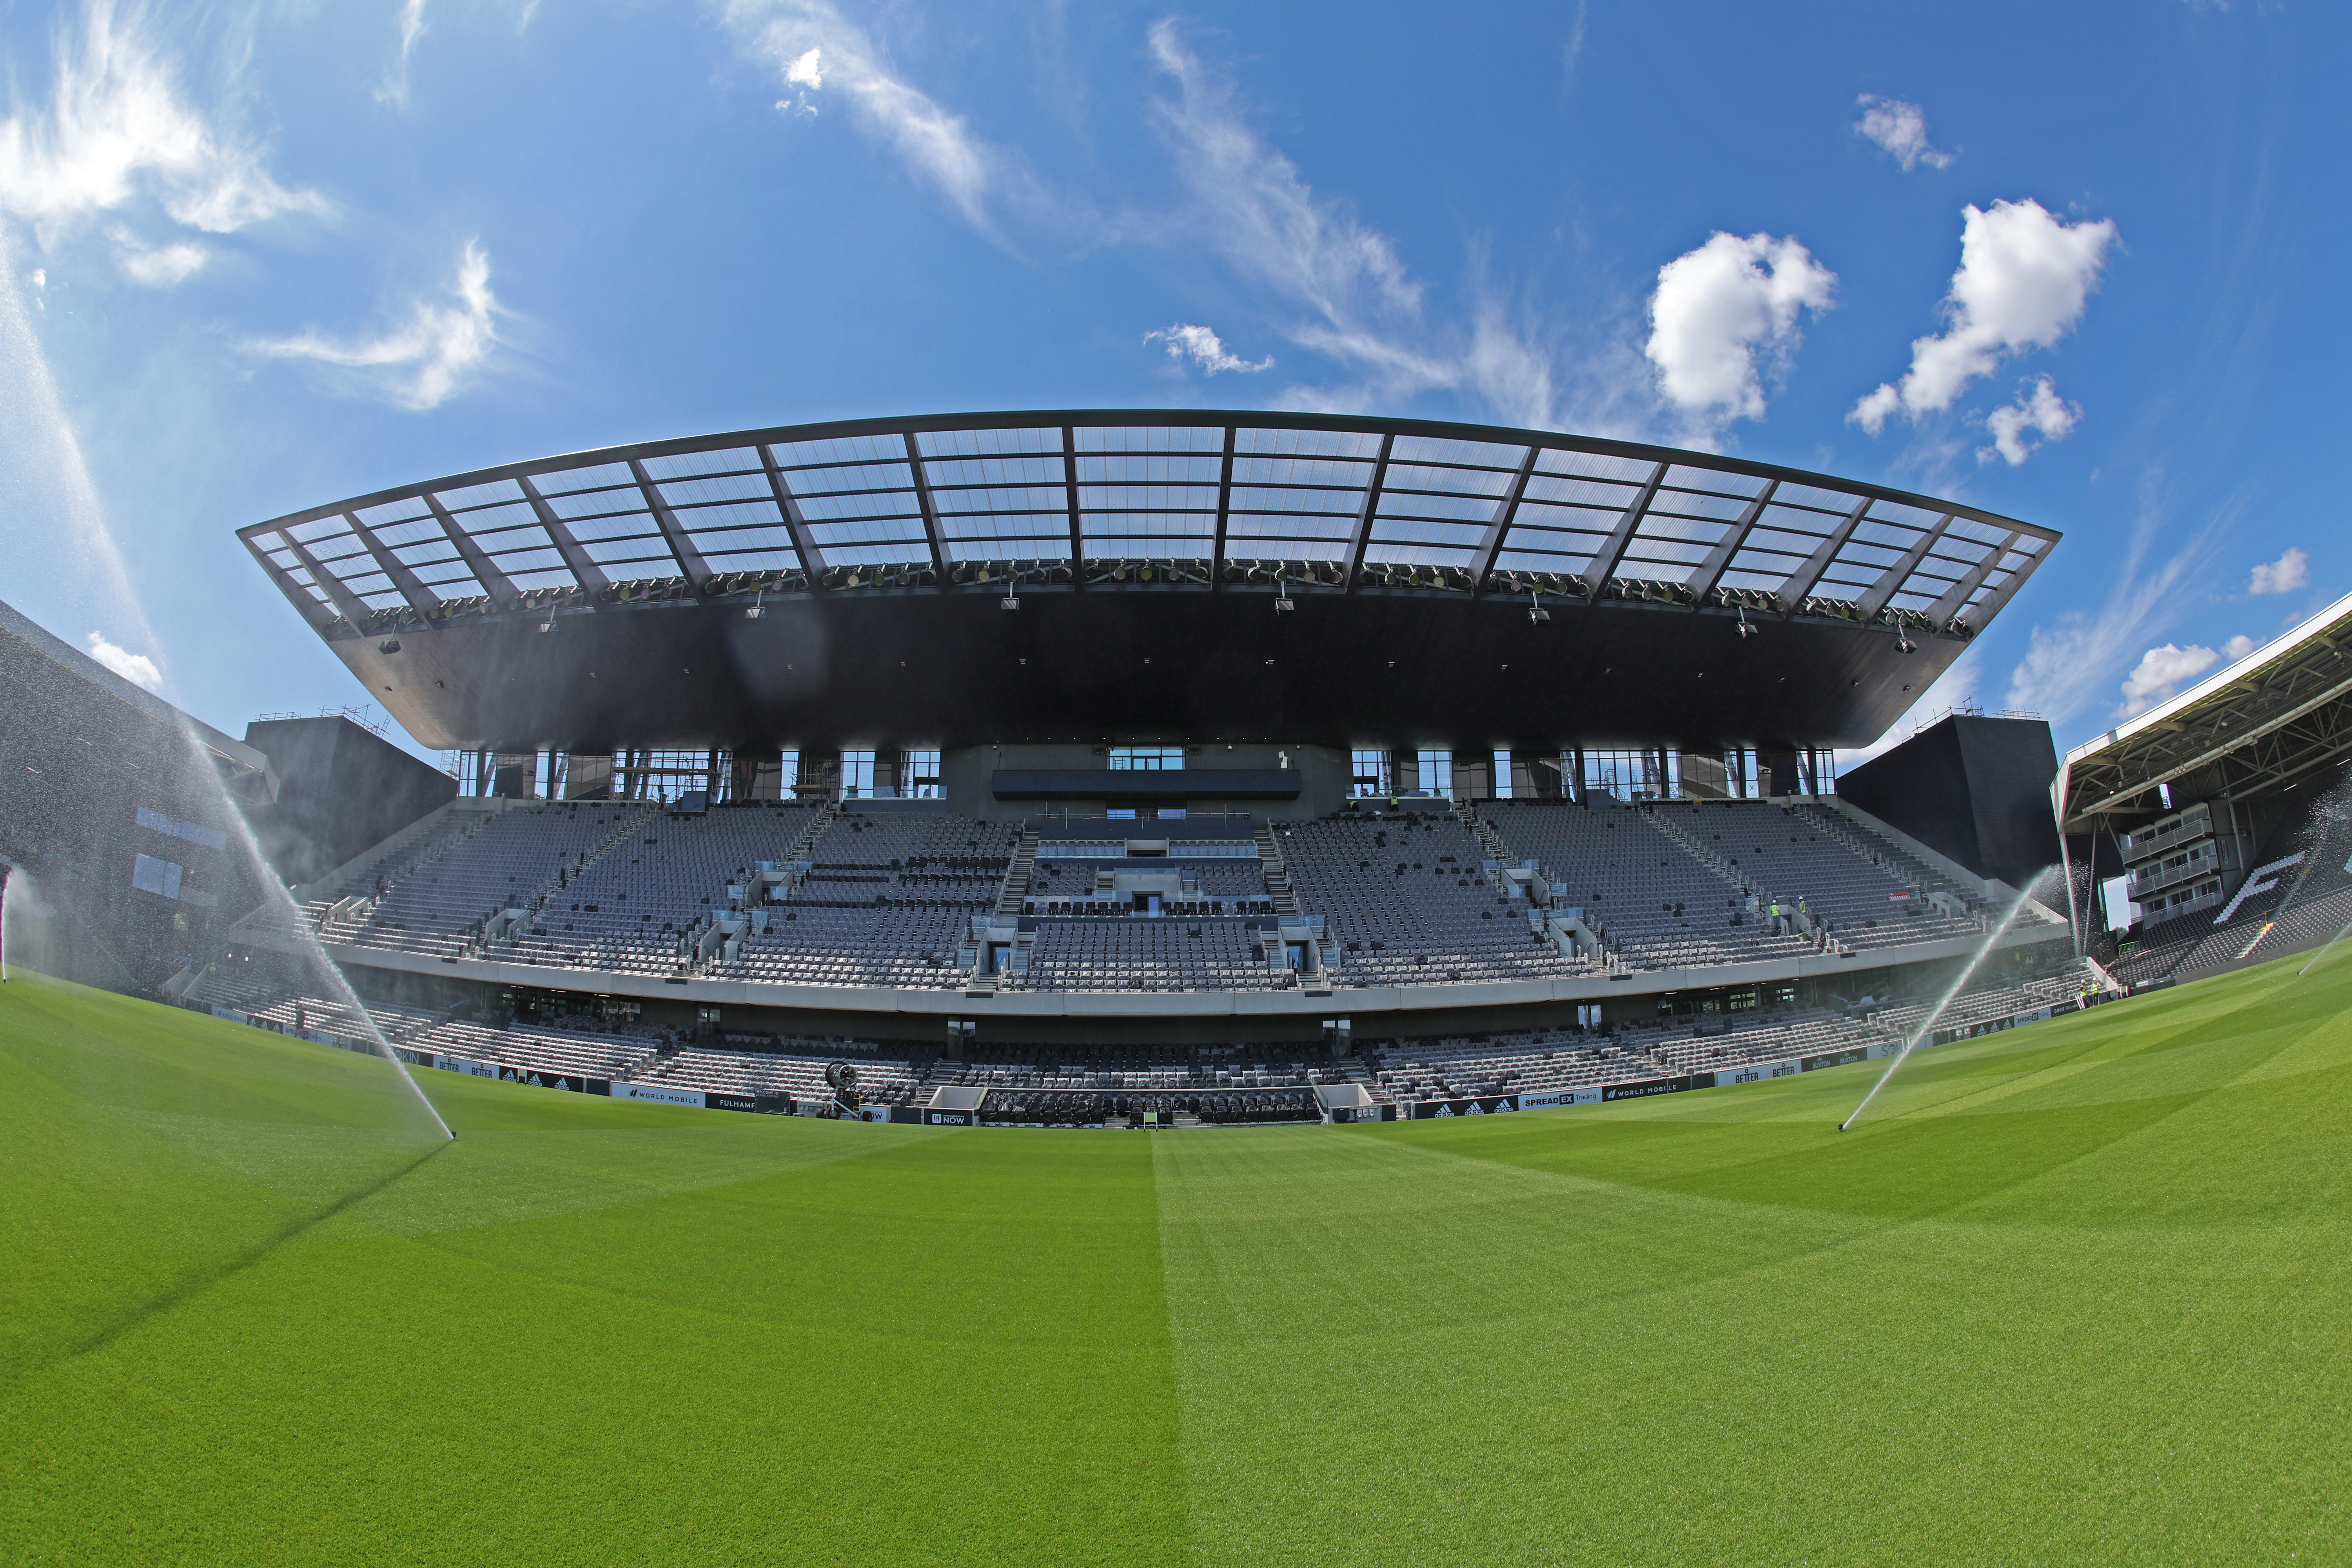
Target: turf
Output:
[(2074, 1294)]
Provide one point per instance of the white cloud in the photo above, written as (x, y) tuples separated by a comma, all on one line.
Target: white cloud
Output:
[(1901, 129), (1717, 306), (395, 88), (134, 668), (2039, 410), (2160, 673), (116, 128), (2069, 662), (1360, 304), (160, 267), (1205, 349), (2283, 575), (428, 358), (2023, 279), (2238, 648), (807, 40)]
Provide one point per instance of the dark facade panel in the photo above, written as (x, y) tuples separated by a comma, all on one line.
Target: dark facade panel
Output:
[(1118, 787), (341, 789), (1974, 788)]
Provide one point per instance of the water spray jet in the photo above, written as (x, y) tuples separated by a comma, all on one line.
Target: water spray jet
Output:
[(1951, 993)]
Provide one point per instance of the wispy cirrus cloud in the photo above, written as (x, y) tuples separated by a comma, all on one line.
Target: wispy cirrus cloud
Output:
[(813, 48), (420, 364), (2071, 660), (1353, 299), (118, 135), (2023, 279)]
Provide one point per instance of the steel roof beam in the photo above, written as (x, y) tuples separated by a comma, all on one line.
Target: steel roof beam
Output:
[(1956, 597), (1361, 540), (348, 605), (796, 523), (1604, 561), (930, 510), (1801, 581), (2214, 752), (1224, 509), (1490, 544), (1070, 481), (690, 564), (492, 581), (1718, 560), (1890, 582), (295, 594), (584, 570), (2001, 596), (421, 599)]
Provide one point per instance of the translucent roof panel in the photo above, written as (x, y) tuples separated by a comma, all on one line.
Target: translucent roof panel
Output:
[(1144, 485)]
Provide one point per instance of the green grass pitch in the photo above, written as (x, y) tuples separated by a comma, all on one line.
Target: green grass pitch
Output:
[(2076, 1294)]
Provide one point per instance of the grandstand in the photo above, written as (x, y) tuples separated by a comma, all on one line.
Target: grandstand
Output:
[(2215, 830), (1209, 766)]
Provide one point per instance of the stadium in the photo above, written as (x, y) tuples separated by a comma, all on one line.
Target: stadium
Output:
[(1153, 985)]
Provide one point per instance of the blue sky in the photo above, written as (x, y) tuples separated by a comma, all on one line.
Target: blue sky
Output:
[(2080, 265)]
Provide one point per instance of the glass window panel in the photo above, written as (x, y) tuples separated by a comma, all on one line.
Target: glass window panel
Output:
[(879, 504), (698, 522), (898, 475), (1302, 470), (530, 579), (1593, 494), (1150, 438), (492, 494), (1308, 443), (629, 525), (718, 488), (967, 443), (1410, 448), (1008, 525), (406, 509), (946, 474), (686, 465), (840, 449), (512, 562), (597, 476), (1717, 482), (1150, 468), (625, 552), (954, 503), (1594, 466), (767, 557)]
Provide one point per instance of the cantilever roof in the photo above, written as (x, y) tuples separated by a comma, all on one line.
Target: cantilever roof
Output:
[(1068, 497), (2263, 721)]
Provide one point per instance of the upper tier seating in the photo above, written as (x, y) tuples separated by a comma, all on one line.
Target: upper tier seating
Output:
[(1165, 954), (505, 862), (890, 902), (1407, 903), (626, 911)]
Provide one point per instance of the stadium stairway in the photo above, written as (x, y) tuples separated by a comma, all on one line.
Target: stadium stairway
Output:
[(1017, 875), (1278, 875)]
